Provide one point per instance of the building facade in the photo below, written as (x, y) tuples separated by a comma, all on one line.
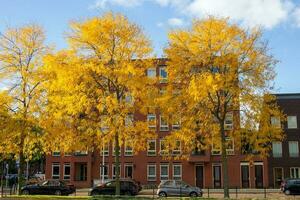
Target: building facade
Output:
[(203, 169), (284, 161)]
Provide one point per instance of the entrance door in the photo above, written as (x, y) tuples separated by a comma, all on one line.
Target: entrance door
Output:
[(245, 176), (217, 174), (278, 177), (259, 176), (199, 176)]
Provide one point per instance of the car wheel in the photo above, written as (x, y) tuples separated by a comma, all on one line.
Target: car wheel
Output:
[(95, 193), (25, 192), (127, 193), (162, 194), (57, 192), (287, 192), (193, 194)]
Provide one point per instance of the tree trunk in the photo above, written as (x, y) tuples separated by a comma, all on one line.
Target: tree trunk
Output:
[(20, 171), (117, 163), (224, 163)]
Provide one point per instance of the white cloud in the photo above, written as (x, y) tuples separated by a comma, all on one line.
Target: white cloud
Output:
[(175, 22), (296, 15), (160, 24), (265, 13), (124, 3)]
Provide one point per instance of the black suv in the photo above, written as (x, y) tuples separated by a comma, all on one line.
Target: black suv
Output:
[(291, 186), (49, 187), (128, 187)]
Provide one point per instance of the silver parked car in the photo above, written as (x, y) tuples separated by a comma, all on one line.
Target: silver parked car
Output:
[(177, 188)]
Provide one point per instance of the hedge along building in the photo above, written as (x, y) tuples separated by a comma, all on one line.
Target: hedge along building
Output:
[(201, 168)]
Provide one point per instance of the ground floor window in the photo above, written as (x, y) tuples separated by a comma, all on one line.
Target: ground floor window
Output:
[(55, 170), (177, 171), (245, 176), (295, 172), (151, 172), (128, 170), (67, 171), (104, 171), (164, 172)]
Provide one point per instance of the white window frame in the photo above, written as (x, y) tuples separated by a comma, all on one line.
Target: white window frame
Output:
[(164, 176), (106, 150), (290, 123), (176, 125), (276, 155), (215, 151), (113, 174), (151, 177), (105, 175), (292, 154), (56, 153), (177, 177), (128, 165), (228, 123), (163, 79), (68, 176), (113, 150), (151, 152), (128, 152), (151, 116), (293, 172), (275, 122), (55, 176), (151, 69), (164, 127), (164, 152), (230, 151), (177, 152)]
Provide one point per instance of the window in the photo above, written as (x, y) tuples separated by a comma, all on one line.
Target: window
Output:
[(275, 122), (104, 169), (292, 122), (177, 149), (56, 153), (81, 153), (151, 172), (163, 124), (128, 150), (229, 146), (105, 150), (163, 74), (67, 154), (293, 148), (217, 176), (228, 123), (151, 151), (128, 171), (164, 172), (294, 172), (177, 171), (55, 170), (151, 118), (216, 148), (114, 171), (277, 149), (67, 171), (163, 148), (151, 72), (176, 124), (129, 120), (114, 150)]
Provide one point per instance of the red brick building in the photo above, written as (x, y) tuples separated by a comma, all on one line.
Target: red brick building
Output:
[(203, 169)]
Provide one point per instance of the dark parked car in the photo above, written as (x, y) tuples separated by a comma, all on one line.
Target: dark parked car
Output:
[(49, 187), (291, 186), (128, 187), (177, 188)]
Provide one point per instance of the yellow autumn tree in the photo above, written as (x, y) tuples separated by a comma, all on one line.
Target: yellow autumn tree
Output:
[(21, 50), (98, 86), (219, 73)]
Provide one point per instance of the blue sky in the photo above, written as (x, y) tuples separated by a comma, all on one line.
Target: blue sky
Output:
[(280, 20)]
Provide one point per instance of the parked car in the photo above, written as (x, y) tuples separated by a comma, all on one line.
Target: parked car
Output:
[(127, 187), (177, 188), (48, 187), (290, 186)]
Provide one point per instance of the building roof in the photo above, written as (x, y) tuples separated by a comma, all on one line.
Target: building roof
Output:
[(288, 96)]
